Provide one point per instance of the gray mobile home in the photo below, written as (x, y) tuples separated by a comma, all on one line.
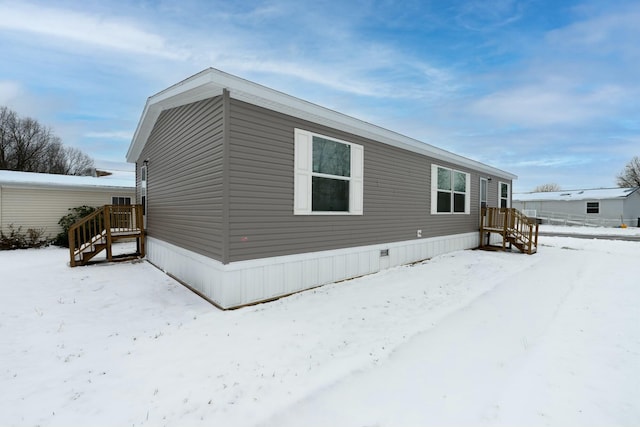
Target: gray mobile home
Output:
[(601, 206), (250, 194)]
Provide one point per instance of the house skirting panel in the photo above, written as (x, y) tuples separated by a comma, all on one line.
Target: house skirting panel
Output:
[(246, 282)]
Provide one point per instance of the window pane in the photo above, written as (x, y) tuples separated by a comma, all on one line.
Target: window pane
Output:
[(458, 202), (444, 179), (593, 207), (483, 190), (503, 203), (444, 202), (329, 195), (459, 181), (331, 157), (504, 190)]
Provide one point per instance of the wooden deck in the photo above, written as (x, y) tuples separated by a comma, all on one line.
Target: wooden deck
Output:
[(97, 232), (514, 229)]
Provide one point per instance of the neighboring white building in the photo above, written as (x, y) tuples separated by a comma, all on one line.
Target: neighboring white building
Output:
[(38, 200), (603, 206)]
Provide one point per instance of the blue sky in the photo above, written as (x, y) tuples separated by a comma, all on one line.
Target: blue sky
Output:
[(548, 90)]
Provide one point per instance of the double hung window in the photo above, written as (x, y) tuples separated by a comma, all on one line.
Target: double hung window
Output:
[(449, 191), (593, 207), (484, 186), (504, 192), (328, 175)]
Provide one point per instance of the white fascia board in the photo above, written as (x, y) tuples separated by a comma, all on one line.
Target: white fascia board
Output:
[(211, 82)]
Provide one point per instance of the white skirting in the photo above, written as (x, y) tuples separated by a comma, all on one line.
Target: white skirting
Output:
[(245, 282)]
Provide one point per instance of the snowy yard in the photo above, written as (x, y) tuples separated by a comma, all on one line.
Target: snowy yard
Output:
[(468, 338)]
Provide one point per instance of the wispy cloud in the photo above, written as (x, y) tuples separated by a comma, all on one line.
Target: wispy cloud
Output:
[(543, 105), (85, 29), (9, 91), (487, 15), (110, 135)]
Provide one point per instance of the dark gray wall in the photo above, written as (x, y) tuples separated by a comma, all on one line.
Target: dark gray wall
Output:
[(185, 177), (397, 191), (245, 211)]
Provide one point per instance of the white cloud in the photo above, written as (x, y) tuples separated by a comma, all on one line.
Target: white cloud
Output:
[(84, 29), (612, 30), (127, 135), (9, 91), (542, 105)]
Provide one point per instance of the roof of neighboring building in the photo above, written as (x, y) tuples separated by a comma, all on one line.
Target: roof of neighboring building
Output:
[(212, 82), (118, 181), (593, 194)]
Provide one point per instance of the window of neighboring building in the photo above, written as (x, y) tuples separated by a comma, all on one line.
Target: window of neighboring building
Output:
[(504, 191), (449, 190), (593, 207), (120, 200), (328, 175)]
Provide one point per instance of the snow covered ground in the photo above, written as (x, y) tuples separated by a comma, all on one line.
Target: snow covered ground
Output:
[(593, 231), (468, 338)]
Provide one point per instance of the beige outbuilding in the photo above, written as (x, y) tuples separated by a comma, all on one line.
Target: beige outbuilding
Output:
[(38, 200)]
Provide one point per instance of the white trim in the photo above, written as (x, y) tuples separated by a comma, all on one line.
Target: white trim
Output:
[(245, 282), (211, 82), (303, 175)]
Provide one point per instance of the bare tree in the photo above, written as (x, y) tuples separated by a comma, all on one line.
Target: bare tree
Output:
[(26, 145), (78, 163), (546, 188), (630, 176)]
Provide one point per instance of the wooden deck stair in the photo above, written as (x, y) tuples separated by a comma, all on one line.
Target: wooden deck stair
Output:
[(514, 228), (98, 231)]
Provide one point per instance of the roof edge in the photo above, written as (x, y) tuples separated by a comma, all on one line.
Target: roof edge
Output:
[(211, 82)]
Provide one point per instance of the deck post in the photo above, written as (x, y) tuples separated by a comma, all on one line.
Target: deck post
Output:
[(71, 235), (107, 227)]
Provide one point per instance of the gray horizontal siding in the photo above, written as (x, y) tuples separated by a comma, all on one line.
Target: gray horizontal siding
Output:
[(396, 192), (185, 181)]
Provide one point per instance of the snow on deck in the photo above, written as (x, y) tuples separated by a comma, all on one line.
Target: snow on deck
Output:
[(467, 338)]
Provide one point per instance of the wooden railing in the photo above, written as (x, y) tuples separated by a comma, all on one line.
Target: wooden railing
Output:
[(97, 231), (514, 227)]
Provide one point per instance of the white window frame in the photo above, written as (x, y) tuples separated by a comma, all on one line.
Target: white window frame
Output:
[(434, 191), (500, 198), (143, 191), (303, 175), (587, 207), (484, 181)]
